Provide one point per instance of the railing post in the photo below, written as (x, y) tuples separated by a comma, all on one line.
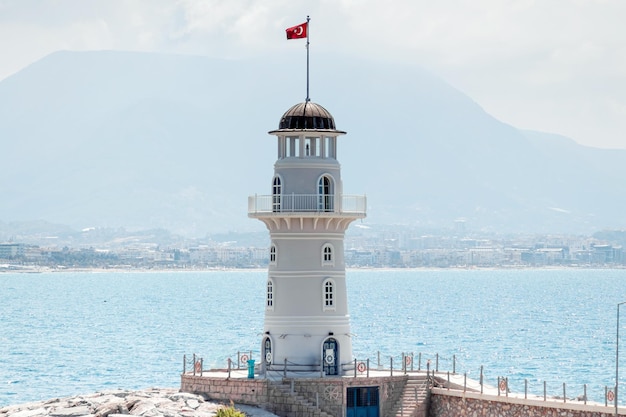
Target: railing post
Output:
[(229, 365), (368, 367), (606, 393), (184, 364), (544, 390), (437, 363), (194, 364), (498, 386), (465, 382), (419, 361), (481, 379), (238, 359), (453, 364), (564, 396), (525, 388), (355, 367), (585, 393), (506, 385), (285, 369), (404, 364), (391, 364)]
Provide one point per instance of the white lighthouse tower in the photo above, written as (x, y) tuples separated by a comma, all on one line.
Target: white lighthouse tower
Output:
[(307, 324)]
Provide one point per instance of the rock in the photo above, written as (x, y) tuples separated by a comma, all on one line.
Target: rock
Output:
[(29, 413), (152, 402), (106, 409), (193, 403), (79, 410)]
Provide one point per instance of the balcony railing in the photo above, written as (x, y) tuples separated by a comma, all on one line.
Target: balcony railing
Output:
[(307, 203)]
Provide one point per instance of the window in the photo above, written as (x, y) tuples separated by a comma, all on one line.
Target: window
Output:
[(329, 147), (269, 300), (327, 255), (292, 146), (325, 193), (277, 189), (329, 295), (273, 254), (311, 147)]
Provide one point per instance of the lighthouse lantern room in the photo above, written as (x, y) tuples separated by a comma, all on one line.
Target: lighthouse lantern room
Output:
[(307, 324)]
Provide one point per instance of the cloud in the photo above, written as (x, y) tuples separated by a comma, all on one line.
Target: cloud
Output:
[(554, 65)]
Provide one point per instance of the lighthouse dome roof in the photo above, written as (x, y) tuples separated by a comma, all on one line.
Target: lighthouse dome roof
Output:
[(307, 115)]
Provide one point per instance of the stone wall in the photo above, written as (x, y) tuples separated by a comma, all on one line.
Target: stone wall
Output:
[(244, 391), (330, 393), (281, 397), (453, 403)]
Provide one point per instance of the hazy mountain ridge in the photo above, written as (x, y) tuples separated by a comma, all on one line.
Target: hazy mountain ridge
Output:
[(178, 142)]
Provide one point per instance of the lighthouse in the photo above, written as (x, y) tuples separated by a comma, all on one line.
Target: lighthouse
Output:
[(307, 323)]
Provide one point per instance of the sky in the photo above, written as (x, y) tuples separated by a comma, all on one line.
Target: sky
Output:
[(556, 66)]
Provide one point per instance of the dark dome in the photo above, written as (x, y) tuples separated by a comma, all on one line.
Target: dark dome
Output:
[(307, 115)]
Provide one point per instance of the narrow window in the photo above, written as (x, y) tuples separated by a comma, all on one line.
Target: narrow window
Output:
[(329, 147), (329, 295), (269, 303), (311, 147), (277, 189), (327, 255), (273, 254)]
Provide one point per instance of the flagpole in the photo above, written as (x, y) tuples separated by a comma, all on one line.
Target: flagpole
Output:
[(308, 31)]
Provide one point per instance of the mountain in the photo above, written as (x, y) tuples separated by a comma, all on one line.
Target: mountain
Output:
[(145, 141)]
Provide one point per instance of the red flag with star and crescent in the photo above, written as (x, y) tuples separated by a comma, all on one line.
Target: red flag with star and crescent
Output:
[(297, 32)]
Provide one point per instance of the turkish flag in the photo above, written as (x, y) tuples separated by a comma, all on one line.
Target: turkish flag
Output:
[(297, 32)]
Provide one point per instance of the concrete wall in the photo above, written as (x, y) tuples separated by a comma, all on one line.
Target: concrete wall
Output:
[(453, 403)]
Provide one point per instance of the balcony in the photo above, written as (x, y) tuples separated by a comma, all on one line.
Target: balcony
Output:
[(349, 205)]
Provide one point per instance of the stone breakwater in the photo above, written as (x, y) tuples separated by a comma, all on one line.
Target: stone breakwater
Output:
[(153, 402)]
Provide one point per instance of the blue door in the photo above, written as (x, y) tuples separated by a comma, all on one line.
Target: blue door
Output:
[(330, 357), (362, 402), (267, 351)]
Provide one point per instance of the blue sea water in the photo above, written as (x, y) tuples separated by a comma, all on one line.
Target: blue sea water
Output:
[(70, 333)]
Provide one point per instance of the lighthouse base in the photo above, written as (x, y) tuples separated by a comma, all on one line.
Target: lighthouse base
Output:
[(304, 397)]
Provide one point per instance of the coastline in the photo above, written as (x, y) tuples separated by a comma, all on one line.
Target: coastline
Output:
[(17, 269)]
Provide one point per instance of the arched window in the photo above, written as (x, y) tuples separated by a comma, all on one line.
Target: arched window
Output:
[(277, 189), (269, 300), (273, 254), (328, 288), (325, 192), (328, 258)]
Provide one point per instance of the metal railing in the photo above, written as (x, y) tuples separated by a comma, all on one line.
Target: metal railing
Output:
[(431, 365), (307, 203)]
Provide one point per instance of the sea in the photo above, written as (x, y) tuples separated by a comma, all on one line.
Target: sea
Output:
[(70, 333)]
